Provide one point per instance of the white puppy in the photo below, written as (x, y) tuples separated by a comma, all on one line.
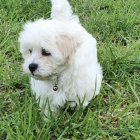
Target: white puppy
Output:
[(61, 58)]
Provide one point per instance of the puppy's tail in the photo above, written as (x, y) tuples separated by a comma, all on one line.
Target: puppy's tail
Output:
[(61, 10)]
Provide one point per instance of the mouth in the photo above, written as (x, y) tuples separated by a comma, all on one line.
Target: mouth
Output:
[(42, 78), (36, 76), (39, 77)]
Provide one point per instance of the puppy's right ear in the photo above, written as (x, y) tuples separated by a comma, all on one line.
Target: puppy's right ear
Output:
[(67, 45)]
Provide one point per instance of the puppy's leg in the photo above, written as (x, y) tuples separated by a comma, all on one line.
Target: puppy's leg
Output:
[(72, 104)]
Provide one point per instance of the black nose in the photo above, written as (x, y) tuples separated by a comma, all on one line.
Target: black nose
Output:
[(33, 67)]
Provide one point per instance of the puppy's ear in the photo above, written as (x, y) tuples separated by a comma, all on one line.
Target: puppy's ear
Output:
[(67, 45)]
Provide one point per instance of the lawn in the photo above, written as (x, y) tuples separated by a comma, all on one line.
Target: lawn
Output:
[(114, 114)]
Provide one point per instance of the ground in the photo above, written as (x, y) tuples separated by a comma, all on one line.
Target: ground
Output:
[(114, 114)]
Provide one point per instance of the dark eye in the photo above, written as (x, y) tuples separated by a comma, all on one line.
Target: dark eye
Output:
[(45, 53), (30, 50)]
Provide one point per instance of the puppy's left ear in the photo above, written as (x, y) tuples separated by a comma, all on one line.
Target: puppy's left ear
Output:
[(67, 45)]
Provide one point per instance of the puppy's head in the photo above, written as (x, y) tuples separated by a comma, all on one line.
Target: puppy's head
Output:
[(46, 49)]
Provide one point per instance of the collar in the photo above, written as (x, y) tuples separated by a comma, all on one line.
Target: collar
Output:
[(55, 87)]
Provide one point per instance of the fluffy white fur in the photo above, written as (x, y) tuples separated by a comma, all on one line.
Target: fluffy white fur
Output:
[(73, 58)]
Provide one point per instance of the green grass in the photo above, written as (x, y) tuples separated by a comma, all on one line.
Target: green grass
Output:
[(114, 114)]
